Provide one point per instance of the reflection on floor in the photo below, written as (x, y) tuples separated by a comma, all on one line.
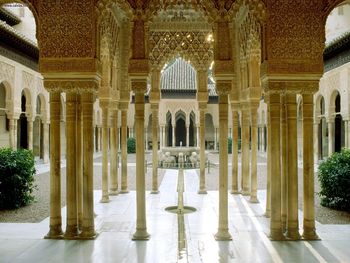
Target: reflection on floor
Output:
[(115, 223)]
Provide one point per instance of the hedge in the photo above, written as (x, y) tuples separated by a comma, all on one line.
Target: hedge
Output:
[(334, 177), (131, 145), (16, 178)]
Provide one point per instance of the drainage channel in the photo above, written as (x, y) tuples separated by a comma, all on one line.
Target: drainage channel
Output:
[(181, 210)]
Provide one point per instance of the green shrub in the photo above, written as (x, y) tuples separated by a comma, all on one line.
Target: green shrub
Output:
[(131, 145), (334, 177), (16, 178)]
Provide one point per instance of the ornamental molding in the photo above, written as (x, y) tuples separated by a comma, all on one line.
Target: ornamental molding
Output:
[(28, 80), (48, 65)]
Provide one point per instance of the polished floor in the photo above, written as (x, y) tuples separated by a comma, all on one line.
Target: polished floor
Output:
[(174, 238)]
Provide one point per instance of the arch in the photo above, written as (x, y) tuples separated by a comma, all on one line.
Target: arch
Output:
[(4, 122), (322, 134), (339, 129)]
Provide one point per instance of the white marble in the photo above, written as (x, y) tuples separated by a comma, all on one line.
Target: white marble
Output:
[(115, 223)]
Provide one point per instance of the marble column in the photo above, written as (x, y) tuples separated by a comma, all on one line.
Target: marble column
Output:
[(284, 163), (100, 138), (187, 135), (309, 232), (88, 225), (330, 136), (174, 140), (146, 140), (254, 155), (202, 188), (105, 195), (268, 165), (55, 167), (113, 190), (161, 136), (30, 133), (234, 189), (123, 143), (275, 166), (71, 181), (292, 167), (245, 152), (223, 233), (46, 142), (215, 138), (197, 136), (12, 122), (79, 160), (155, 125), (139, 87)]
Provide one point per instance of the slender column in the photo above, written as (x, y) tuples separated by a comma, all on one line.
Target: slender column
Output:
[(123, 143), (55, 167), (254, 155), (15, 129), (275, 166), (284, 164), (245, 152), (72, 216), (292, 168), (79, 160), (139, 88), (309, 232), (330, 136), (197, 135), (173, 142), (30, 133), (88, 227), (46, 142), (12, 133), (146, 139), (234, 189), (161, 137), (105, 196), (202, 189), (187, 135), (268, 165), (215, 138), (223, 233), (113, 190), (155, 124)]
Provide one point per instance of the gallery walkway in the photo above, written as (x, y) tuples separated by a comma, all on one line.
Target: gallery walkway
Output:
[(115, 223)]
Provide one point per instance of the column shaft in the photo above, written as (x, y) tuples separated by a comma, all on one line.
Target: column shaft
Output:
[(234, 189), (292, 168), (308, 170), (71, 182), (275, 166), (254, 155), (187, 135), (223, 233), (79, 160), (202, 156), (12, 133), (124, 179), (330, 137), (105, 196), (30, 133), (141, 228), (284, 164), (245, 152), (88, 225), (46, 142), (114, 153), (155, 124), (174, 140), (268, 165), (55, 167)]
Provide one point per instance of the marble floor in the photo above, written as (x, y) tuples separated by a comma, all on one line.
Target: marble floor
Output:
[(174, 238)]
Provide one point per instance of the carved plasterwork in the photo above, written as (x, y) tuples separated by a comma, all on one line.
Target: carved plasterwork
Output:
[(192, 46), (79, 86), (27, 80), (7, 72)]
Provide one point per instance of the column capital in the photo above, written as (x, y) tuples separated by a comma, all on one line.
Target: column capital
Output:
[(139, 85), (79, 85), (223, 87), (154, 106)]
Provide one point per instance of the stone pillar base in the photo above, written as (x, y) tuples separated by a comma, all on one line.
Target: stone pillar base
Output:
[(223, 235), (71, 232), (104, 199), (276, 235), (113, 192), (54, 233), (310, 234), (235, 192), (126, 191), (154, 192), (245, 192), (202, 192), (293, 234), (141, 234), (88, 234), (254, 200)]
